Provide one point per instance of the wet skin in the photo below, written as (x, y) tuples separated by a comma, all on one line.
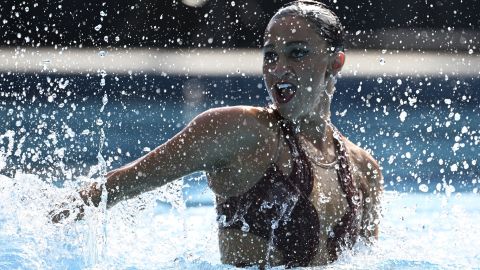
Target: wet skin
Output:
[(294, 53), (236, 145)]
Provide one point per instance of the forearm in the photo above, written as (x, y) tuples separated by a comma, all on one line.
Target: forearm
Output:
[(127, 182), (131, 180), (120, 184)]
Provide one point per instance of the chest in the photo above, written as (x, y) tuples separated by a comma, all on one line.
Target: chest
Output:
[(327, 195)]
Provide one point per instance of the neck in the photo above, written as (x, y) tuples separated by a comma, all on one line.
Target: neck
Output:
[(313, 126), (319, 132)]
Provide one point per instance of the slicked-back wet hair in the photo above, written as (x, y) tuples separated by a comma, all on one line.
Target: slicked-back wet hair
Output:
[(326, 22)]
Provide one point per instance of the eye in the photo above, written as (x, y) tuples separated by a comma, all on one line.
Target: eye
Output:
[(270, 57), (298, 53)]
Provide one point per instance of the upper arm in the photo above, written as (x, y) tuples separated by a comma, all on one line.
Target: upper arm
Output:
[(371, 185), (208, 141)]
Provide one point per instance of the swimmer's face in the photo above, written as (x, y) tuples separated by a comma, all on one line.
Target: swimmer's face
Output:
[(295, 65)]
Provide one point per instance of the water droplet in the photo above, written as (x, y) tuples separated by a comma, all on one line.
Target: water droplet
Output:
[(384, 51), (399, 82), (403, 116), (447, 101), (99, 122), (98, 27), (423, 188), (379, 79), (454, 168), (470, 51), (358, 32), (63, 84), (457, 117), (105, 99), (382, 61), (266, 205), (245, 227), (233, 3), (222, 219), (103, 13), (274, 224)]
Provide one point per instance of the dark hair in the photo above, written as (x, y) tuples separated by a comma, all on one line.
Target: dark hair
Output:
[(327, 23)]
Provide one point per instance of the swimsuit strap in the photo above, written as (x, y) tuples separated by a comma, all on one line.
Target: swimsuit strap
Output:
[(302, 175), (299, 236), (345, 233)]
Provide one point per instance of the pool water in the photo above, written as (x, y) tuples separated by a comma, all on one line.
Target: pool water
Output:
[(175, 228), (424, 131)]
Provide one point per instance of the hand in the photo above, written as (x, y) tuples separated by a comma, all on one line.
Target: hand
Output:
[(72, 208)]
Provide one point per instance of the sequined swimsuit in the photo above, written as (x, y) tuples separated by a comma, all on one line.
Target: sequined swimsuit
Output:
[(278, 207)]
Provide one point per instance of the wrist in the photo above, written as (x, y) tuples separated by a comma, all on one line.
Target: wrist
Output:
[(91, 195)]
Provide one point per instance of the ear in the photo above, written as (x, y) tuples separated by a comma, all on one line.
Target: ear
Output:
[(337, 62)]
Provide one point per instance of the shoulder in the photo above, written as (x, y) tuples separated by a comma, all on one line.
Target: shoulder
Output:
[(236, 127), (365, 166), (368, 177), (360, 157), (238, 118)]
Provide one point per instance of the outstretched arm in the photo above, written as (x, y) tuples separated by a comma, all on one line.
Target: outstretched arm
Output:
[(207, 142)]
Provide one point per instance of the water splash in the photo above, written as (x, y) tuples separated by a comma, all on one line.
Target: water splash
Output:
[(9, 135), (104, 101), (284, 208)]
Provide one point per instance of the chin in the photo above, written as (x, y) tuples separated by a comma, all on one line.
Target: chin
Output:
[(287, 112)]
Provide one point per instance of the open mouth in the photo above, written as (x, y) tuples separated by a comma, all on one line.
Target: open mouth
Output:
[(284, 91)]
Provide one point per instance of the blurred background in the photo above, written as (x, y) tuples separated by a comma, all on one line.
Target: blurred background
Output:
[(138, 71), (385, 24)]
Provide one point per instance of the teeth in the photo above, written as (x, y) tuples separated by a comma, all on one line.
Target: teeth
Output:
[(283, 85)]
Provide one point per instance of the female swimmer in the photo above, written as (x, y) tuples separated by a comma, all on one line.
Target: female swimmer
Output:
[(290, 189)]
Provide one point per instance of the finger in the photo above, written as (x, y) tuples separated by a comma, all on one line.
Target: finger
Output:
[(56, 218)]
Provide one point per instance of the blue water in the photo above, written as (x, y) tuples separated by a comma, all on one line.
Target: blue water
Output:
[(424, 132), (418, 231)]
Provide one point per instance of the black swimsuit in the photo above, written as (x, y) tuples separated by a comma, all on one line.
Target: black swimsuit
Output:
[(278, 207)]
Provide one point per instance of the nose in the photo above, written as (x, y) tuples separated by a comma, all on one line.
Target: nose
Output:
[(282, 69)]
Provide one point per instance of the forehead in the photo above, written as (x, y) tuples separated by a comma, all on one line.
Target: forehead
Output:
[(292, 28)]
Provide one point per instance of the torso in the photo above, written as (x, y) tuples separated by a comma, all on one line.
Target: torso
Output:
[(239, 247)]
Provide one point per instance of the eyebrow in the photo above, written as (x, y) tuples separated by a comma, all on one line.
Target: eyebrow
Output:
[(288, 44)]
